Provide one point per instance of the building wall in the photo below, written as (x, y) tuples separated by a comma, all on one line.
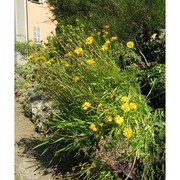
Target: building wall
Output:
[(39, 15), (20, 20)]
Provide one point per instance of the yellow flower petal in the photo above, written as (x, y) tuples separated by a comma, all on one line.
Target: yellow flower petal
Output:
[(30, 56), (127, 132), (93, 127), (130, 44), (106, 27), (132, 105), (101, 124), (90, 61), (86, 105), (78, 51), (76, 78), (118, 119), (89, 40), (93, 164), (48, 62), (109, 118), (68, 55), (107, 42), (104, 47), (123, 99), (125, 107), (113, 38), (99, 107)]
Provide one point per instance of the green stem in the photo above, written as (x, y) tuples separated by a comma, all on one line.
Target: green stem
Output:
[(146, 62), (131, 168)]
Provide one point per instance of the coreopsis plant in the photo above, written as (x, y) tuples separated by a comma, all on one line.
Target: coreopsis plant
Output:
[(105, 123)]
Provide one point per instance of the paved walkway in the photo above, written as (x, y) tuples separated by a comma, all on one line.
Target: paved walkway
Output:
[(27, 165)]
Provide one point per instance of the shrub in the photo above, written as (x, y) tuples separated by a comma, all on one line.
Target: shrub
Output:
[(127, 18), (26, 48), (152, 83), (104, 124), (154, 49)]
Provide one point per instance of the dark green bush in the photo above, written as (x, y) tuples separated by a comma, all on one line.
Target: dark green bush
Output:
[(154, 49), (153, 85), (126, 18)]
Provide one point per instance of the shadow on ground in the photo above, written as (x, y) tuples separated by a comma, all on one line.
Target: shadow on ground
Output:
[(60, 168)]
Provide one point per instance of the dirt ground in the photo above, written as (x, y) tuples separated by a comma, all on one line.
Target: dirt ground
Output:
[(28, 163)]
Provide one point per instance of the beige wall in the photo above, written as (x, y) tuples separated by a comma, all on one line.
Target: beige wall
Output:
[(20, 20), (39, 15)]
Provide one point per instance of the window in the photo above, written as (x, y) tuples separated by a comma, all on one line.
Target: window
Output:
[(38, 1), (36, 34)]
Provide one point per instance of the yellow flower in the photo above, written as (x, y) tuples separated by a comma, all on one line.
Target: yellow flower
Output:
[(104, 47), (76, 78), (93, 164), (130, 44), (86, 105), (99, 107), (125, 107), (106, 32), (109, 118), (106, 27), (88, 172), (78, 51), (111, 96), (113, 38), (69, 40), (89, 40), (123, 99), (132, 105), (68, 54), (30, 56), (127, 132), (66, 65), (118, 119), (48, 62), (101, 124), (90, 61), (107, 42), (76, 140), (103, 30), (98, 33), (93, 127), (40, 92), (40, 58)]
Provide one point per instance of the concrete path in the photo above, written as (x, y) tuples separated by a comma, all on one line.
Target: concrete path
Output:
[(27, 165)]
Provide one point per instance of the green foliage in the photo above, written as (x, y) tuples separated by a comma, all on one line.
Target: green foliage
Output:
[(104, 122), (83, 72), (127, 19), (154, 49), (27, 72), (157, 163), (153, 85), (26, 48)]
